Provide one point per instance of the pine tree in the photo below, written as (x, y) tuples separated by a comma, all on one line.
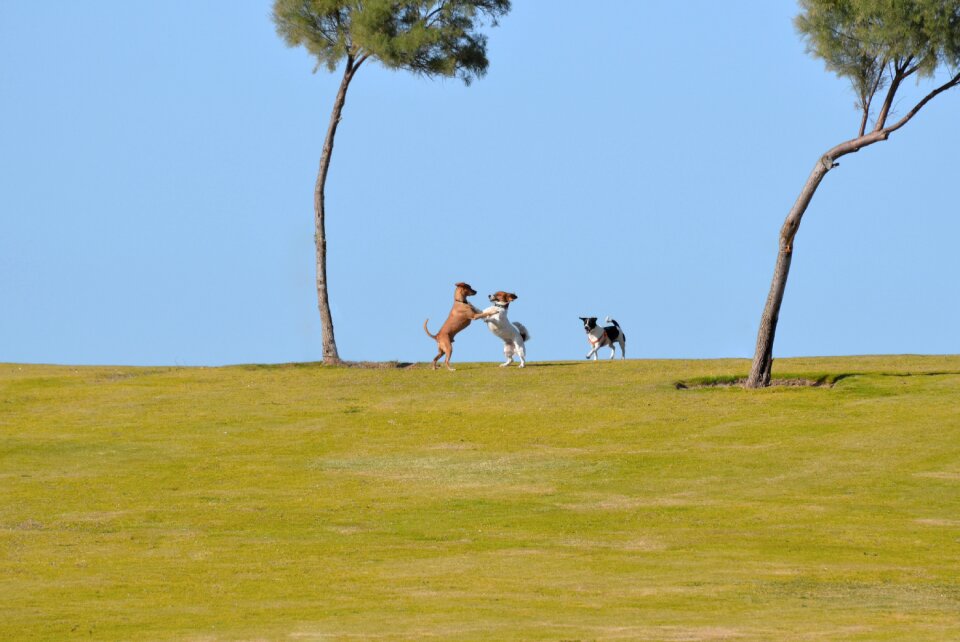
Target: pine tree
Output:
[(876, 45), (435, 38)]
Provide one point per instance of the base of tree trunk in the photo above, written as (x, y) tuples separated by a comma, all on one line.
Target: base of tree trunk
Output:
[(758, 380)]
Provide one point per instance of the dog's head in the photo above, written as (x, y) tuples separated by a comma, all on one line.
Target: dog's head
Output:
[(589, 323), (463, 290), (502, 298)]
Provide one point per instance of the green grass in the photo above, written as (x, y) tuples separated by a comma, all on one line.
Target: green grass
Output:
[(567, 501)]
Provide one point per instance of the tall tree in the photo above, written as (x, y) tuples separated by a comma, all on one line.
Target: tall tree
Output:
[(427, 37), (876, 45)]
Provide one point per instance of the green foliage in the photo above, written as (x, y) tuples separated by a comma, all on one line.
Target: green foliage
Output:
[(429, 37), (867, 41)]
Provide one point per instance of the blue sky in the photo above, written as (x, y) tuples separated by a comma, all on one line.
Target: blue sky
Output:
[(157, 163)]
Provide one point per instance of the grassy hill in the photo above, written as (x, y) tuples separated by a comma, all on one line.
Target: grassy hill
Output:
[(567, 501)]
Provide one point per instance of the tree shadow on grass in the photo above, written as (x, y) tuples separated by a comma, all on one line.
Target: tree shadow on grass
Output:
[(821, 381)]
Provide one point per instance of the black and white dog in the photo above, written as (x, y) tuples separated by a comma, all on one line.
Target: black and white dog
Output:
[(514, 335), (608, 336)]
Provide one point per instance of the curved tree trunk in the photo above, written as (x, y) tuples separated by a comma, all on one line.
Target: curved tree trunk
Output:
[(763, 356), (330, 355)]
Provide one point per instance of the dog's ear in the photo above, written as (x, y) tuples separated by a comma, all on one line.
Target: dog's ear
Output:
[(513, 297)]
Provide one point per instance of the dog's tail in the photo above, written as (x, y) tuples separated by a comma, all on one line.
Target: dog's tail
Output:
[(617, 326), (432, 336), (524, 333)]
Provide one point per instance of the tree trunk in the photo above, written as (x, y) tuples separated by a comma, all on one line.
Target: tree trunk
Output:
[(330, 355), (763, 356)]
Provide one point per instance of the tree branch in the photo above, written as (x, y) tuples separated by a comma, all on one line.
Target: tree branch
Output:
[(435, 11), (869, 101), (858, 143), (851, 146), (427, 18), (900, 68), (953, 82), (864, 119)]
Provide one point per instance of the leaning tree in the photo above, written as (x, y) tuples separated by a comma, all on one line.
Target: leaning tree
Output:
[(876, 45), (434, 38)]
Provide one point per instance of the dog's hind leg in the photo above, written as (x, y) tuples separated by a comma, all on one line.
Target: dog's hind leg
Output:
[(444, 347), (448, 348), (522, 353), (508, 355)]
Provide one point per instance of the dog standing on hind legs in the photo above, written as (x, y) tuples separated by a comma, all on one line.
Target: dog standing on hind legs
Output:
[(461, 314), (604, 336), (514, 335)]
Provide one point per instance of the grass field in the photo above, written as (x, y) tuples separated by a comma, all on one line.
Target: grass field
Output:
[(567, 501)]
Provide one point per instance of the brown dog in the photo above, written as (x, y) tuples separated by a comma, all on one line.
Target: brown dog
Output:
[(461, 314)]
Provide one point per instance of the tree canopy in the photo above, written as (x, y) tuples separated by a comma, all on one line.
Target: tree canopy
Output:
[(428, 37), (875, 44)]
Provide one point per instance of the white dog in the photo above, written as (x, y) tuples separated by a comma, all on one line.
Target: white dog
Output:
[(513, 335)]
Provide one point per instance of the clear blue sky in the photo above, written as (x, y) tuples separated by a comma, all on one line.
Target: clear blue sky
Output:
[(633, 159)]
